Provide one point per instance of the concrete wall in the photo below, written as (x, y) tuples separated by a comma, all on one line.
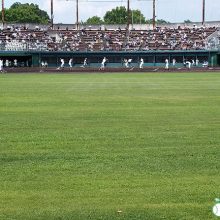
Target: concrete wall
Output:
[(134, 26)]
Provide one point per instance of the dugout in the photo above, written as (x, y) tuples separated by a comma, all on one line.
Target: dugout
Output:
[(115, 59), (24, 59)]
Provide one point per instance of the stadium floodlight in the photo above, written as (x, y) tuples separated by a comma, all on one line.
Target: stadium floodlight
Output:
[(128, 14), (77, 14), (51, 13), (3, 13), (154, 14), (203, 12)]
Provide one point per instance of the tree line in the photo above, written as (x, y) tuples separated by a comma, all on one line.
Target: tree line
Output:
[(26, 13), (119, 15), (31, 13)]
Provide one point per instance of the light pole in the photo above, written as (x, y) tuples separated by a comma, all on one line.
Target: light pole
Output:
[(154, 14), (128, 14), (77, 14), (51, 13), (203, 12), (3, 13)]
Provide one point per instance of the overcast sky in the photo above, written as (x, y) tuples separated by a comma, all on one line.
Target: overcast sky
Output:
[(169, 10)]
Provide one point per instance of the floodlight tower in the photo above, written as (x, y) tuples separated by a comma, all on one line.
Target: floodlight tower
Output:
[(203, 12), (77, 14), (128, 14), (3, 13), (154, 14), (51, 13)]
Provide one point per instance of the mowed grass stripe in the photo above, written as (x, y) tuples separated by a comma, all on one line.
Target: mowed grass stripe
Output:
[(109, 146)]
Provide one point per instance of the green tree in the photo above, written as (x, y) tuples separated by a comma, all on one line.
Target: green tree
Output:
[(187, 21), (158, 21), (137, 17), (119, 15), (94, 20), (161, 21), (26, 13)]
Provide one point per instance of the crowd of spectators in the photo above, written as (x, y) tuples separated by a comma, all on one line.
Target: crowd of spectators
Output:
[(180, 38)]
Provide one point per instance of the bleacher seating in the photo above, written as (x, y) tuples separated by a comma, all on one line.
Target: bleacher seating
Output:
[(181, 38)]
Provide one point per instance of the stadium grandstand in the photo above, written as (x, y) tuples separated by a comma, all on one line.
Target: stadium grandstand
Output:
[(31, 45)]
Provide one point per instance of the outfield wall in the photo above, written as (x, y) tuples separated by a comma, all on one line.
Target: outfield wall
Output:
[(115, 59)]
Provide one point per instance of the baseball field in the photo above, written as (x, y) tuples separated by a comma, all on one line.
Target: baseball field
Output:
[(119, 146)]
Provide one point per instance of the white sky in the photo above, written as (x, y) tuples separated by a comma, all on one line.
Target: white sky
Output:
[(169, 10)]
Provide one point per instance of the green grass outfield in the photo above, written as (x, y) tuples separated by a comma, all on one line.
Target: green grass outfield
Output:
[(109, 146)]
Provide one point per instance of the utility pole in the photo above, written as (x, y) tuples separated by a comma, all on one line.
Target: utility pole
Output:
[(154, 14), (3, 13), (77, 14), (203, 12), (128, 14), (51, 13)]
